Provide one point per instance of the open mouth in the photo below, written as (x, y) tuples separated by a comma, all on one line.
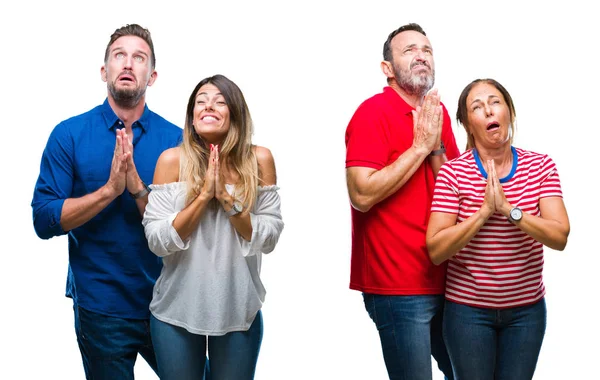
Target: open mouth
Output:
[(493, 126), (126, 77)]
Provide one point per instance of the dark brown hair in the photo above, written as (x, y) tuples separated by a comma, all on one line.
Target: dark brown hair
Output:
[(387, 50), (132, 30), (462, 111)]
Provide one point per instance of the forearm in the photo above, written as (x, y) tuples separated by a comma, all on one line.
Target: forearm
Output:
[(436, 163), (242, 224), (141, 204), (447, 242), (135, 185), (187, 219), (78, 211), (551, 233), (367, 191)]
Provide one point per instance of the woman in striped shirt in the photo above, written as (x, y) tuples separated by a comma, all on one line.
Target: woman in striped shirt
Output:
[(493, 209)]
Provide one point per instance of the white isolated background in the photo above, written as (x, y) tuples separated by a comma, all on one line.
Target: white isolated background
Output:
[(304, 67)]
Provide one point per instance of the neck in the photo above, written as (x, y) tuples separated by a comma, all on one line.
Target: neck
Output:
[(502, 156), (128, 115), (413, 100)]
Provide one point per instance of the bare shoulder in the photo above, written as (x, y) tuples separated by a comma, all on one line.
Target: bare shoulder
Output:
[(167, 167), (266, 166)]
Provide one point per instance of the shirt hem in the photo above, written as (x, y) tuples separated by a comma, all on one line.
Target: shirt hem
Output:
[(499, 307), (398, 291)]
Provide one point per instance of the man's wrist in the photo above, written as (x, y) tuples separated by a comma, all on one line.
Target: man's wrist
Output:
[(440, 151), (145, 190)]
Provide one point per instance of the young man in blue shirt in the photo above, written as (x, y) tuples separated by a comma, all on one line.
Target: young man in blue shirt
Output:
[(93, 187)]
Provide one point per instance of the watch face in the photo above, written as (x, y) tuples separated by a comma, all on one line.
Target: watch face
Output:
[(237, 207), (516, 214)]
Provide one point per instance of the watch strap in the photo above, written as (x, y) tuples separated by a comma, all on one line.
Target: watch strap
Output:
[(141, 193), (236, 208), (439, 152)]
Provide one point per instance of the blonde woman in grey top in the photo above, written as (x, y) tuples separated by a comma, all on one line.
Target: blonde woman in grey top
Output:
[(213, 211)]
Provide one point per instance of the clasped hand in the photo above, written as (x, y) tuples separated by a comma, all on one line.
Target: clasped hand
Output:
[(427, 123), (494, 199), (123, 173), (214, 181)]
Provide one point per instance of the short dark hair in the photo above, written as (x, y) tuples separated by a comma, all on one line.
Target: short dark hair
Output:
[(462, 112), (132, 30), (387, 50)]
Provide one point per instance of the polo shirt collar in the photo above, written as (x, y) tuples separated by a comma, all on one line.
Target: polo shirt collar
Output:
[(393, 97), (112, 119)]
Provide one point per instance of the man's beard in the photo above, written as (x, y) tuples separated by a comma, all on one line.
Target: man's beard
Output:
[(126, 98), (414, 84)]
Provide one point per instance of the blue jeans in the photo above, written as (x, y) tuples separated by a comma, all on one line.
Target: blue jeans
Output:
[(109, 345), (494, 344), (181, 355), (410, 330)]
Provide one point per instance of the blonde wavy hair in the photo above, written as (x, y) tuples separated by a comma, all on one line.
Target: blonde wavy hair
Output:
[(236, 150)]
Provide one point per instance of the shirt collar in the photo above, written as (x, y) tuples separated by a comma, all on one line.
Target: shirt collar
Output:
[(111, 118), (393, 97)]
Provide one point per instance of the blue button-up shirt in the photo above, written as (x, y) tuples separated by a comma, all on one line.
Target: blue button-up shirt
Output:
[(111, 270)]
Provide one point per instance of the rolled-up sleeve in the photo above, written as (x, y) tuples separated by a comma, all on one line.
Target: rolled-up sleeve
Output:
[(160, 212), (267, 223), (54, 184)]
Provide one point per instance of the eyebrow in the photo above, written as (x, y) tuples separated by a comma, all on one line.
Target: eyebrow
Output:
[(415, 45), (121, 48), (206, 94), (481, 101)]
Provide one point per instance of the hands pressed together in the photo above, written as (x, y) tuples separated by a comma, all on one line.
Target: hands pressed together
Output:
[(494, 199), (123, 173), (428, 120), (214, 182)]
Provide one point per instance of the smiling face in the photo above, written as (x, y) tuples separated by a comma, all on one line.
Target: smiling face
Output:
[(211, 114), (128, 70), (489, 117), (413, 63)]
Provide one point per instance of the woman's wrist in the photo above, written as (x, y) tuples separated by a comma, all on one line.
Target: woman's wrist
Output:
[(226, 201)]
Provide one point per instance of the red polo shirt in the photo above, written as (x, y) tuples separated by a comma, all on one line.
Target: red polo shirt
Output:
[(389, 255)]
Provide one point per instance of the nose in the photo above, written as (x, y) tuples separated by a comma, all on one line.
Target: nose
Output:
[(128, 62), (488, 110), (208, 105)]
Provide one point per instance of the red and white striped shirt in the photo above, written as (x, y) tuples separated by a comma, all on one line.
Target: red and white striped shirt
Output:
[(501, 266)]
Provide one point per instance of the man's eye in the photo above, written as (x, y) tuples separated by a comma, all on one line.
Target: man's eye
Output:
[(139, 58), (119, 55)]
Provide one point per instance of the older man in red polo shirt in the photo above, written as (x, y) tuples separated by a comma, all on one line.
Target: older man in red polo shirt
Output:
[(396, 142)]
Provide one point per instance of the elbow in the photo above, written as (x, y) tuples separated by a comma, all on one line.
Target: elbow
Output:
[(42, 233), (435, 256), (560, 245), (561, 242), (361, 203), (43, 230), (435, 260)]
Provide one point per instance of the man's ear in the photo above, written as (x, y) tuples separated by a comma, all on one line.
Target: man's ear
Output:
[(153, 77), (103, 73), (387, 69)]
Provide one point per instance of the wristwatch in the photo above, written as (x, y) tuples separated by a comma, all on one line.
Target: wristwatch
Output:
[(439, 152), (236, 208), (515, 214), (144, 191)]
